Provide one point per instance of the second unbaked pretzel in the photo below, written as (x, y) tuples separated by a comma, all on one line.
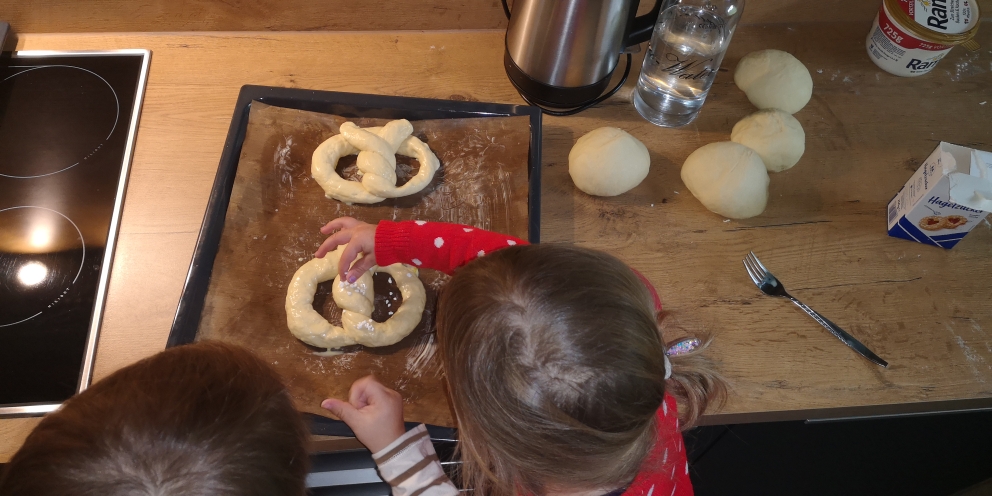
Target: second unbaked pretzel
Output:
[(376, 148)]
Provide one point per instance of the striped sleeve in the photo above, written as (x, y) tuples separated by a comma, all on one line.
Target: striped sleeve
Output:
[(411, 466)]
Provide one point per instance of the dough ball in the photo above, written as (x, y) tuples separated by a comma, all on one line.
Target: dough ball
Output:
[(608, 162), (774, 79), (776, 136), (728, 178)]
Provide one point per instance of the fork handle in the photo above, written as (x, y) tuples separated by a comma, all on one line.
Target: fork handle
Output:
[(841, 334)]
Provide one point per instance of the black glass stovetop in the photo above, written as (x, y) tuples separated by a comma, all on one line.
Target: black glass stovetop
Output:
[(65, 138)]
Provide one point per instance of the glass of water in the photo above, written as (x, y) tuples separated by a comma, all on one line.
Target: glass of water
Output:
[(687, 46)]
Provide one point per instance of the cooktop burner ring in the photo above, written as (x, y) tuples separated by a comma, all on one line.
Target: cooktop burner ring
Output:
[(66, 113), (91, 152), (40, 266)]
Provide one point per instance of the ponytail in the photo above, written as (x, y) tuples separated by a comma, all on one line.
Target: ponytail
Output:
[(694, 383)]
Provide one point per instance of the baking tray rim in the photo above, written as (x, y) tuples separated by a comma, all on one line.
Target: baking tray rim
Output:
[(185, 324)]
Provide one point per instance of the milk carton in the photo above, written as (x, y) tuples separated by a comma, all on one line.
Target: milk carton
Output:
[(946, 198)]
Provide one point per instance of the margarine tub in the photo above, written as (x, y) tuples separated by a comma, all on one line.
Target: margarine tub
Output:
[(909, 37)]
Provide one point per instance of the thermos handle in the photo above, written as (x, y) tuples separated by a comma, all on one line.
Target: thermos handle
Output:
[(641, 26)]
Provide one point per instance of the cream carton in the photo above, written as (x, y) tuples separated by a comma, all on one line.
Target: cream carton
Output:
[(946, 198)]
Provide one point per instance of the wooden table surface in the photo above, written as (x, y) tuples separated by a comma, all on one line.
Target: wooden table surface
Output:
[(924, 309), (87, 16)]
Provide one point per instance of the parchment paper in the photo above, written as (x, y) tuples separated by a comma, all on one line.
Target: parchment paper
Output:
[(272, 228)]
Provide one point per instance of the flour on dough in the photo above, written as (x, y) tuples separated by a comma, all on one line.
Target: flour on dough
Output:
[(356, 301)]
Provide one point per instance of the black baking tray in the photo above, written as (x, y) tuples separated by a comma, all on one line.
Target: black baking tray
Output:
[(187, 320)]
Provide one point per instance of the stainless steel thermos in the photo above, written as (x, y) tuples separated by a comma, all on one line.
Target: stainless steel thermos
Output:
[(562, 53)]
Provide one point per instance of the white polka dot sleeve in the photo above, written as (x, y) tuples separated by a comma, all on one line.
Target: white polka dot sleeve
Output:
[(436, 245)]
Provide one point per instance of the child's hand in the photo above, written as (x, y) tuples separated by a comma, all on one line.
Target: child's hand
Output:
[(359, 237), (373, 411)]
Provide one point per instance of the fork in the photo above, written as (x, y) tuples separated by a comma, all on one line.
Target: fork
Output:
[(771, 286)]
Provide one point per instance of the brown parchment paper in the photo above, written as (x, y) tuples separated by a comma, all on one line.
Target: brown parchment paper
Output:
[(272, 228)]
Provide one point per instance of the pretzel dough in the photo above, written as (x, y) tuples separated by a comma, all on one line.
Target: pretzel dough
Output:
[(608, 162), (774, 79), (727, 178), (356, 301), (777, 136), (376, 148)]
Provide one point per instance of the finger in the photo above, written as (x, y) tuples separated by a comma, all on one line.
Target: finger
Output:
[(332, 242), (341, 409), (374, 393), (358, 395), (355, 246), (339, 223), (360, 267)]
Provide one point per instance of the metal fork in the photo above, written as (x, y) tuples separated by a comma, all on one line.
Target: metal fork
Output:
[(771, 286)]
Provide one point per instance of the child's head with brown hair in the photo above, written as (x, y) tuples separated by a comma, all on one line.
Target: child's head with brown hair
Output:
[(205, 418), (556, 368)]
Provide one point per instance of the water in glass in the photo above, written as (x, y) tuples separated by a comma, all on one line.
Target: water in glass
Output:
[(685, 52)]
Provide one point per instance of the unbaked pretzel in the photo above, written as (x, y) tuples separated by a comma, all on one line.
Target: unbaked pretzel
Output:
[(356, 301), (377, 148)]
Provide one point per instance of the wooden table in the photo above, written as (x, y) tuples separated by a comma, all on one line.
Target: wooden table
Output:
[(88, 16), (924, 309)]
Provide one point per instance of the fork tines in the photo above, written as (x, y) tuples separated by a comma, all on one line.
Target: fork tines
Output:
[(754, 268)]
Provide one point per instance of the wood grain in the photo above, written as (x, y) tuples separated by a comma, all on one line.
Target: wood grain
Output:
[(81, 16), (922, 308)]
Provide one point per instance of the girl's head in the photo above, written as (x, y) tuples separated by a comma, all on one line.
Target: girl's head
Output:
[(556, 368)]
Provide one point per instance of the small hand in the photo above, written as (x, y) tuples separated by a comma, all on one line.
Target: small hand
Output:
[(373, 411), (360, 239)]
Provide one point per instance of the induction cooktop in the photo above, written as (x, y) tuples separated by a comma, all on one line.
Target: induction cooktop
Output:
[(67, 130)]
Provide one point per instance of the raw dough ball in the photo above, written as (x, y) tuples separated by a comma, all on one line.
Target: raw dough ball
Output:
[(776, 136), (774, 79), (608, 162), (728, 178)]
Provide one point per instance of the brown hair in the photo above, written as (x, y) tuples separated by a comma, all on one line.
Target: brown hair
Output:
[(205, 418), (556, 369)]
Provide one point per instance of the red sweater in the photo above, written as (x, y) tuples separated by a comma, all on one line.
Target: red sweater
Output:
[(445, 247)]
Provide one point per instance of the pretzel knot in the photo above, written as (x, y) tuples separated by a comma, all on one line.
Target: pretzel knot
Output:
[(356, 301), (376, 148)]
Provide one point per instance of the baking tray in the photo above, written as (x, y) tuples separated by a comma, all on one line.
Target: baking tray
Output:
[(349, 105)]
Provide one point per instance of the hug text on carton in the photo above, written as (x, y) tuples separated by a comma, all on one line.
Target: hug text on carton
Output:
[(946, 198)]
